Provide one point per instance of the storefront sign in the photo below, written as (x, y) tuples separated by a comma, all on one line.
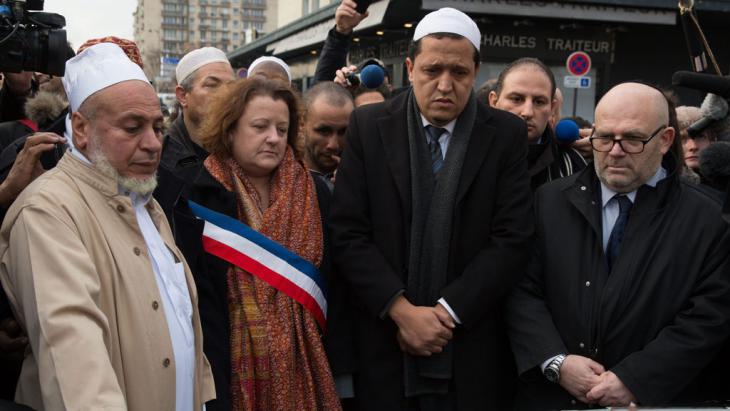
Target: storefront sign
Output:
[(558, 9), (507, 42)]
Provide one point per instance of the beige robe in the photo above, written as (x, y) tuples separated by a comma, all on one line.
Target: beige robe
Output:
[(76, 269)]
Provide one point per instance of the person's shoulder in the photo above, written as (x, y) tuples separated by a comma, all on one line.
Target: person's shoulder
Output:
[(499, 118), (53, 185), (701, 196), (54, 193), (556, 188)]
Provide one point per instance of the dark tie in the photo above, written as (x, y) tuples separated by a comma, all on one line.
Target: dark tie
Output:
[(617, 234), (437, 159)]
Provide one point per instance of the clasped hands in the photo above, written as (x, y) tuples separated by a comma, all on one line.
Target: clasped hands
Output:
[(590, 383), (422, 331)]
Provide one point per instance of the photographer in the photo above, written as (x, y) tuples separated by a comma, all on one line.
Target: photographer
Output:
[(16, 88), (337, 44)]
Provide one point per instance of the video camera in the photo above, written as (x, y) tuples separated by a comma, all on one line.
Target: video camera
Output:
[(31, 40)]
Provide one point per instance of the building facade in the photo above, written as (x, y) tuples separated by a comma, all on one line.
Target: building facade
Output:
[(625, 39), (165, 30)]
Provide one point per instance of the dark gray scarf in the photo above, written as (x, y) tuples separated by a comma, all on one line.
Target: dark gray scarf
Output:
[(433, 200)]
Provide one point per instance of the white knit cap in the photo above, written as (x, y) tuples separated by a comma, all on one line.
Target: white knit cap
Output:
[(197, 59), (97, 68), (448, 20), (264, 59)]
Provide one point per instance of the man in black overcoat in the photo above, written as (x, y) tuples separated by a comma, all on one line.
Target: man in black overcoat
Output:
[(431, 225), (627, 296)]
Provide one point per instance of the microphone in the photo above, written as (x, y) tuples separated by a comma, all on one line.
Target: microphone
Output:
[(715, 164), (713, 108), (371, 76), (567, 131), (709, 83)]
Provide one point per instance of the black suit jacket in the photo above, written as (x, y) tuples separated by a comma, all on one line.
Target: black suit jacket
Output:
[(656, 320), (370, 222)]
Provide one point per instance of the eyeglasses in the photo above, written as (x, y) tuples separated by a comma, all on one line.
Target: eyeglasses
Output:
[(632, 145)]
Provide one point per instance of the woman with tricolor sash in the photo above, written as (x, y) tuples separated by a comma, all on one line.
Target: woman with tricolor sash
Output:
[(252, 232)]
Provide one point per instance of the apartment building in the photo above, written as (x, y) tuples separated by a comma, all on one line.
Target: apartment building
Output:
[(167, 29)]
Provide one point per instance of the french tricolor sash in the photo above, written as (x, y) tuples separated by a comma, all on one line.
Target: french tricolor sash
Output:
[(242, 246)]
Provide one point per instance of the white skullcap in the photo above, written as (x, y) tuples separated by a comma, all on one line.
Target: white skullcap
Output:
[(197, 59), (448, 20), (272, 59), (97, 68)]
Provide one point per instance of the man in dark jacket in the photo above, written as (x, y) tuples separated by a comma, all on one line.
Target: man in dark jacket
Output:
[(431, 243), (199, 74), (337, 44), (614, 309), (327, 109), (526, 88)]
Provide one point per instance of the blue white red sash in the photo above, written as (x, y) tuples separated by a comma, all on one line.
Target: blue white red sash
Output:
[(242, 246)]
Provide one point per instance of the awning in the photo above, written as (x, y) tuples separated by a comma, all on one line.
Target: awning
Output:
[(318, 33), (561, 10)]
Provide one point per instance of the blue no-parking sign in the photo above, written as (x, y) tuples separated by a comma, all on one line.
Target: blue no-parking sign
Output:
[(578, 63)]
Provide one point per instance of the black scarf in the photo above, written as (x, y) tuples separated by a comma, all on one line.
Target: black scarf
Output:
[(433, 201)]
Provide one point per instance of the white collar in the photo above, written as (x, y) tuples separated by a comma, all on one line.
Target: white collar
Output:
[(448, 127), (136, 199)]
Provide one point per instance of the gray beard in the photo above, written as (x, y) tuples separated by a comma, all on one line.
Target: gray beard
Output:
[(143, 187)]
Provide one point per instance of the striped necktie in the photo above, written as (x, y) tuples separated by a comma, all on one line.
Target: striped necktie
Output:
[(437, 158)]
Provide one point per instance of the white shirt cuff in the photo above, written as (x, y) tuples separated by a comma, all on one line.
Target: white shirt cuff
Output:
[(546, 363), (449, 310)]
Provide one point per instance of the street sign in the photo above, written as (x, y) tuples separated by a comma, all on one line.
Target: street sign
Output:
[(577, 82), (578, 63)]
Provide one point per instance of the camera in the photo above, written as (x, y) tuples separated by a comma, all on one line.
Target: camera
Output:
[(31, 40)]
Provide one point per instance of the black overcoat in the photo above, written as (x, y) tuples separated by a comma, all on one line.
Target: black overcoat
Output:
[(656, 320), (489, 245)]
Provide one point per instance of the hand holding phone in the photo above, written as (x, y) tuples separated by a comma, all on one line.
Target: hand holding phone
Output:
[(362, 6)]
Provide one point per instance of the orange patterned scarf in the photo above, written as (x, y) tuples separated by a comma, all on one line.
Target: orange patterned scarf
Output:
[(277, 357)]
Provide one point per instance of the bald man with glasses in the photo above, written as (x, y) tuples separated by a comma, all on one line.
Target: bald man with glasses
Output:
[(614, 308)]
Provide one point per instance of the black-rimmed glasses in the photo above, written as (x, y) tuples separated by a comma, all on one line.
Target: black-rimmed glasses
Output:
[(631, 145)]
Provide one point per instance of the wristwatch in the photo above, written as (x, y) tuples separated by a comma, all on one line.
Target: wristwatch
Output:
[(552, 371)]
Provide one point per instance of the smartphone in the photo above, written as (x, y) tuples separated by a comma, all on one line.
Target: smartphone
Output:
[(50, 158), (362, 5)]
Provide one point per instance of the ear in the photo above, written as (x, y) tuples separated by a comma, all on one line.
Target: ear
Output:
[(81, 127), (667, 138), (409, 67), (181, 96), (554, 113), (493, 97), (554, 106)]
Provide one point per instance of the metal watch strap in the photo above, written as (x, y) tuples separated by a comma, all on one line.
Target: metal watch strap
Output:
[(552, 371)]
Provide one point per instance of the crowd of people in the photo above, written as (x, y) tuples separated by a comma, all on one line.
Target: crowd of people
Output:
[(424, 248)]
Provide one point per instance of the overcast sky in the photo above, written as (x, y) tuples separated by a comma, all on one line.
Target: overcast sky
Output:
[(86, 19)]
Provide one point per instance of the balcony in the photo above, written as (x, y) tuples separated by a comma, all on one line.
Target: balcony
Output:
[(253, 5)]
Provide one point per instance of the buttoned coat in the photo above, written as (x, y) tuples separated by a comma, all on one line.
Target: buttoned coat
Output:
[(80, 280), (656, 320), (370, 221)]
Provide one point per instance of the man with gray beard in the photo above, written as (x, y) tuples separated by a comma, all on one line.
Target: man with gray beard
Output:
[(89, 263)]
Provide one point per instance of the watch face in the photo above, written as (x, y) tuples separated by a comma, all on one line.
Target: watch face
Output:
[(551, 375)]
